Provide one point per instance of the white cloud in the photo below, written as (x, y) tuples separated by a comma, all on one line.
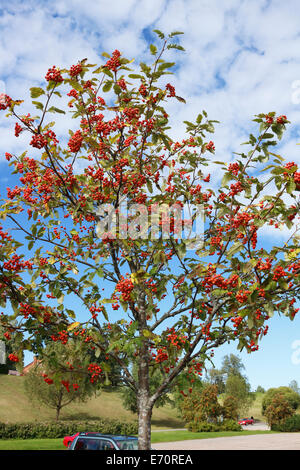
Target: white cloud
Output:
[(241, 58)]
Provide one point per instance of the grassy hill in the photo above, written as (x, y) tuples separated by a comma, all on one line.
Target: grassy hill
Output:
[(16, 407)]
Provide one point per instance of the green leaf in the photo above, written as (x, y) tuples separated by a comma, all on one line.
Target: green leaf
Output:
[(153, 49), (234, 249), (135, 75), (107, 86), (269, 309), (226, 178), (38, 105), (166, 65), (175, 33), (35, 92), (53, 109), (291, 186), (159, 33)]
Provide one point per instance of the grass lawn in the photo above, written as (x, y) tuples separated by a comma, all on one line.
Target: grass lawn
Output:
[(160, 436)]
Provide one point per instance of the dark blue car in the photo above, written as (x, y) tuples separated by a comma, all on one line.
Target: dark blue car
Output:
[(98, 441)]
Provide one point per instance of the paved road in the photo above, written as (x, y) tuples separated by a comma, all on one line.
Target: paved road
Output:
[(282, 441)]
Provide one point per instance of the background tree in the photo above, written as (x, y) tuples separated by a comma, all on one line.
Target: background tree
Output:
[(278, 410), (293, 385), (232, 365), (217, 377), (223, 289), (238, 387), (183, 387), (290, 395), (60, 368), (260, 389), (230, 408), (202, 406)]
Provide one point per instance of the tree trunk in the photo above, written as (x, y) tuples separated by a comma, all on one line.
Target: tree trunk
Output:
[(144, 406), (59, 404), (143, 398), (58, 408), (145, 413)]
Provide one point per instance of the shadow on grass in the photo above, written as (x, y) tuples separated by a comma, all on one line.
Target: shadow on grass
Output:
[(81, 417), (167, 423)]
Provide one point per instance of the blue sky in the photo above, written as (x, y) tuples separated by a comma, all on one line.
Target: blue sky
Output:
[(241, 58)]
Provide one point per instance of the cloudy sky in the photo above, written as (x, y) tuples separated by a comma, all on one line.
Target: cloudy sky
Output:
[(242, 58)]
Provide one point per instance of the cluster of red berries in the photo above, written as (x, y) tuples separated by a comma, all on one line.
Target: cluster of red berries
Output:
[(114, 62), (242, 296), (125, 286), (278, 273), (161, 355), (122, 84), (62, 337), (54, 75), (38, 141), (26, 310), (210, 146), (13, 358), (18, 129), (171, 90), (47, 379), (75, 142), (237, 321), (234, 168), (16, 264), (281, 119), (5, 101), (75, 70), (66, 384), (143, 90), (95, 371)]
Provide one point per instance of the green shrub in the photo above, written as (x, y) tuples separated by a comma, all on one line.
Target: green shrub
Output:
[(291, 424), (203, 426), (290, 395), (51, 430), (230, 425)]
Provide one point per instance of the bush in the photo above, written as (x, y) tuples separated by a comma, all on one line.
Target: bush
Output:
[(230, 425), (291, 424), (51, 430), (278, 411), (292, 397), (204, 426)]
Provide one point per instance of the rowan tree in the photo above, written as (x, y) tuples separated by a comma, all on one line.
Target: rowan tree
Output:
[(143, 292), (278, 411), (59, 367)]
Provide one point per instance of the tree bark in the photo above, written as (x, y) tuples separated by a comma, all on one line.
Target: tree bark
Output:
[(144, 420), (143, 398)]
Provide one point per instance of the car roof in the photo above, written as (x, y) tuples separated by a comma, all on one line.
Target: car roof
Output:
[(108, 436)]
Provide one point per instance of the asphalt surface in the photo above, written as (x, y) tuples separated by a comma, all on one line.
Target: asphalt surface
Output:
[(282, 441)]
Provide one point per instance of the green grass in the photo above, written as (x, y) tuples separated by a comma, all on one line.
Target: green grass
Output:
[(162, 436), (32, 444), (171, 436)]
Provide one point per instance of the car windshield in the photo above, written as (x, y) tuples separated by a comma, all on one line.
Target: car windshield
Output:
[(127, 444)]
